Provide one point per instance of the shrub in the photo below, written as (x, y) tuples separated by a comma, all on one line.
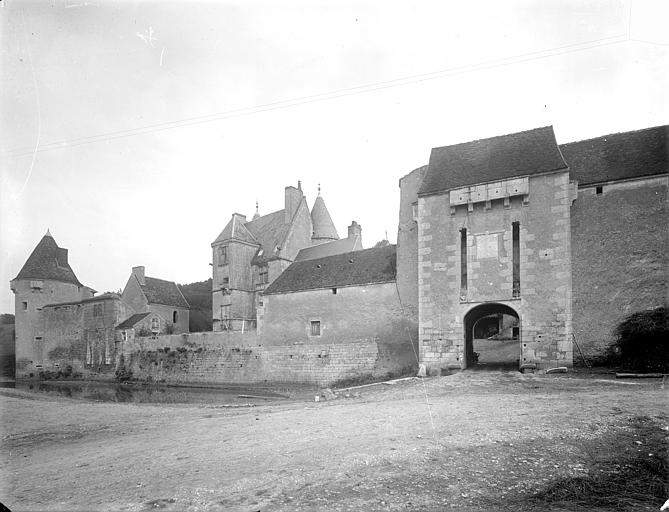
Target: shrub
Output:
[(642, 340), (122, 373)]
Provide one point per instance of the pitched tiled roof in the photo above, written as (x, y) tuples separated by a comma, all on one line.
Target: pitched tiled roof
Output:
[(506, 156), (158, 291), (132, 321), (48, 261), (341, 246), (270, 231), (619, 156), (376, 265), (322, 222)]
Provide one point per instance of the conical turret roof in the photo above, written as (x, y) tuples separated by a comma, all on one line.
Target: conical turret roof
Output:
[(48, 261), (324, 228)]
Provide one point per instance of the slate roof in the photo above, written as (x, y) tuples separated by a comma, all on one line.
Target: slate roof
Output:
[(235, 229), (376, 265), (619, 156), (132, 321), (322, 222), (497, 158), (270, 231), (341, 246), (48, 261), (159, 291)]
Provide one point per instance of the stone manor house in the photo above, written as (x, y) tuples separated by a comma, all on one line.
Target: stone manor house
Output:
[(550, 244)]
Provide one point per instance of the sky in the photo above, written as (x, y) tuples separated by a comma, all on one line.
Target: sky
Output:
[(132, 130)]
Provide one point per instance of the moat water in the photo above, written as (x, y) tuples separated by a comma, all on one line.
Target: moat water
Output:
[(154, 394)]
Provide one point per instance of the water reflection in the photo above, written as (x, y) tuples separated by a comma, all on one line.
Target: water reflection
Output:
[(125, 393)]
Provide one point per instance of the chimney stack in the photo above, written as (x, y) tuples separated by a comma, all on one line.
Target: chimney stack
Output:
[(355, 230), (293, 199), (238, 217), (138, 272)]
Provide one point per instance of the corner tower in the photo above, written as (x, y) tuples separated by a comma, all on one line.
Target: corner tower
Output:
[(46, 278)]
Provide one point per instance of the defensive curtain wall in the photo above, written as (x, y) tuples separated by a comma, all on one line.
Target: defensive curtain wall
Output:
[(242, 358)]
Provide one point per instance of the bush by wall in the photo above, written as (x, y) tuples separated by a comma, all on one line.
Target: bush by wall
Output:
[(642, 342)]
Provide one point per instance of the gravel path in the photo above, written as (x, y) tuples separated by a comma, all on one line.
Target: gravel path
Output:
[(460, 442)]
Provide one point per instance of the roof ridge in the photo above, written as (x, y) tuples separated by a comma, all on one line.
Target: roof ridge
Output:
[(599, 137), (501, 135)]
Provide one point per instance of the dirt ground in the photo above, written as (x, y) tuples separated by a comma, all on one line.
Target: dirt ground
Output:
[(469, 441)]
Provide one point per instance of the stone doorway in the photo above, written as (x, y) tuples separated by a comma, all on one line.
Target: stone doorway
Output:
[(492, 337)]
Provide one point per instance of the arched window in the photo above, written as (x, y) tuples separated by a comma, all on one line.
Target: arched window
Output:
[(174, 317)]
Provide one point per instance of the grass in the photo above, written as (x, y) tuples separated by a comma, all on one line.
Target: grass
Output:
[(368, 378), (622, 475)]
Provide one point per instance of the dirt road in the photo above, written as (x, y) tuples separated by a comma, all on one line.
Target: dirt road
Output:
[(470, 441)]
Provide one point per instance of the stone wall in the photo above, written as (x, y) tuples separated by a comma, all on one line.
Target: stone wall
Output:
[(77, 335), (27, 316), (620, 257), (363, 335), (353, 315), (544, 304), (407, 242), (167, 312), (236, 358), (239, 300)]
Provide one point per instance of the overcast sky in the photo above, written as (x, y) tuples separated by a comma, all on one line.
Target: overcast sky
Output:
[(134, 129)]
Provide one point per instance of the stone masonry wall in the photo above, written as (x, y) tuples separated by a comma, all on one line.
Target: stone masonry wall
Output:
[(80, 336), (544, 305), (620, 257), (363, 335), (236, 358), (27, 321), (407, 243), (166, 312)]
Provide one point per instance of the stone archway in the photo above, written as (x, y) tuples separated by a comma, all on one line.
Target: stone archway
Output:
[(504, 324)]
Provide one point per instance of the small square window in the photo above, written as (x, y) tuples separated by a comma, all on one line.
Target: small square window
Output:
[(25, 306), (334, 291), (599, 190), (315, 328)]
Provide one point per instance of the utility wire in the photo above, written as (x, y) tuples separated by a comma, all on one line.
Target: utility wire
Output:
[(398, 82)]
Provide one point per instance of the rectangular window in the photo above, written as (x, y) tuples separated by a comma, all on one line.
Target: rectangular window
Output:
[(516, 259), (599, 190), (315, 328), (108, 355), (226, 281), (36, 284), (25, 306), (97, 309), (124, 335), (223, 255), (463, 263), (263, 274), (155, 325)]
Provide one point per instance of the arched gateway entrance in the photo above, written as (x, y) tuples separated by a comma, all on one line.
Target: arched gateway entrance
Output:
[(492, 337)]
